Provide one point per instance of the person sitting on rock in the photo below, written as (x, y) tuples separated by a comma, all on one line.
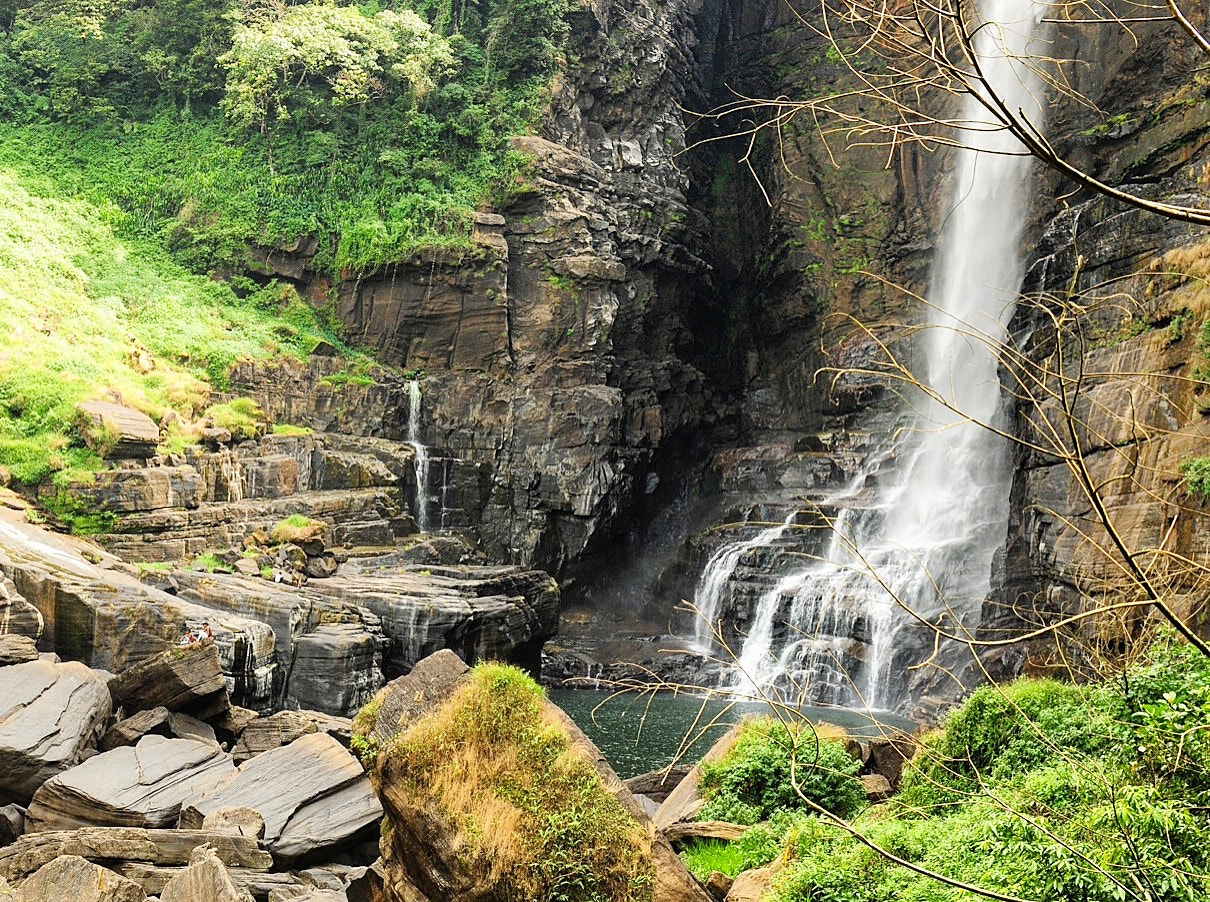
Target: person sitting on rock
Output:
[(205, 632), (187, 639)]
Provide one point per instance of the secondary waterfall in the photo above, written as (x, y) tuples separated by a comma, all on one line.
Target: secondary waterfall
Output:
[(922, 537), (422, 455)]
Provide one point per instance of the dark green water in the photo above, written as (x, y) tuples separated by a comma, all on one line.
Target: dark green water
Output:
[(638, 734)]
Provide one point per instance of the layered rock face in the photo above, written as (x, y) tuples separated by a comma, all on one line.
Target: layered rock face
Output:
[(326, 646), (564, 356), (1135, 388)]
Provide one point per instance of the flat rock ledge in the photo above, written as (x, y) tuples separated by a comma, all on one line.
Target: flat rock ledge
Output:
[(140, 786), (311, 793)]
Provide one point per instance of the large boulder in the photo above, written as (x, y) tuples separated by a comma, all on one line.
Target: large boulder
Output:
[(312, 794), (75, 878), (50, 716), (17, 649), (139, 786), (116, 431), (186, 678), (420, 858), (205, 880)]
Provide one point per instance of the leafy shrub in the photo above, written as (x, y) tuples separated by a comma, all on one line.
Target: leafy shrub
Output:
[(755, 778), (1196, 471), (1001, 732)]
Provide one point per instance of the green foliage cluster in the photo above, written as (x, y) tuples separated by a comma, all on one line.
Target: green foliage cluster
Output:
[(242, 417), (1042, 791), (1196, 471), (529, 807), (88, 312), (756, 778), (377, 128)]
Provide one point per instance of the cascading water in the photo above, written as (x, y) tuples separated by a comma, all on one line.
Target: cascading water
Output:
[(924, 539), (422, 455), (710, 597)]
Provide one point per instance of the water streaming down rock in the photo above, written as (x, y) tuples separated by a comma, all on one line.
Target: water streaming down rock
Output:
[(422, 455), (710, 596), (924, 537)]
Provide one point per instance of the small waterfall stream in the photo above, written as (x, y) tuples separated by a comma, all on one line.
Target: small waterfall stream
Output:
[(923, 537), (422, 455)]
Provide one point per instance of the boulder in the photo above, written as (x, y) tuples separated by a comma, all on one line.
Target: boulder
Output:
[(17, 615), (164, 848), (284, 727), (877, 787), (431, 682), (887, 757), (186, 678), (50, 716), (421, 843), (74, 878), (115, 431), (719, 884), (139, 786), (312, 794), (156, 721), (366, 884), (12, 823), (17, 649), (751, 885), (242, 821), (205, 880)]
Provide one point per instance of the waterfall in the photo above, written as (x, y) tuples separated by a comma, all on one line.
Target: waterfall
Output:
[(710, 597), (422, 455), (924, 537)]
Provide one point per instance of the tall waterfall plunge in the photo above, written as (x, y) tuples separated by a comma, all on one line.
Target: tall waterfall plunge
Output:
[(923, 538)]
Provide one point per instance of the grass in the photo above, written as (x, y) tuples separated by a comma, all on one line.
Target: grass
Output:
[(524, 810), (90, 314), (242, 417), (295, 528)]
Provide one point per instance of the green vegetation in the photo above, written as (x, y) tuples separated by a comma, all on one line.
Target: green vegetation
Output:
[(214, 126), (528, 811), (296, 528), (210, 563), (145, 143), (1196, 471), (1038, 789), (753, 781), (758, 846), (90, 312), (242, 417), (291, 429)]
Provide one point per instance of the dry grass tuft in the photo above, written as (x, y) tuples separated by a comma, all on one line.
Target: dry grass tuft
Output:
[(527, 814)]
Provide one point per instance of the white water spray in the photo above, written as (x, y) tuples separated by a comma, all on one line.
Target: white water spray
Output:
[(926, 541), (422, 455)]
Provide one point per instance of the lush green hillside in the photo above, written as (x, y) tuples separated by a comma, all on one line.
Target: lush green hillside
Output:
[(89, 313), (146, 145), (374, 127)]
